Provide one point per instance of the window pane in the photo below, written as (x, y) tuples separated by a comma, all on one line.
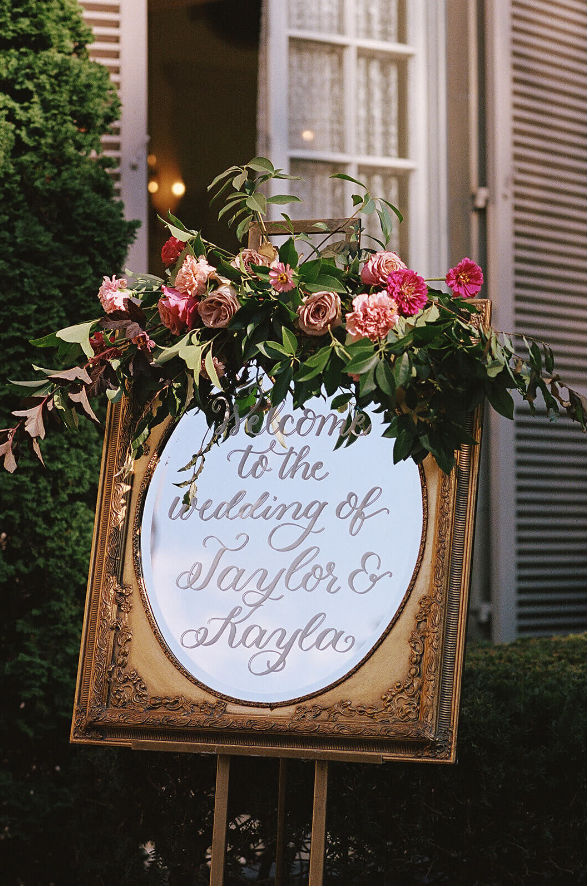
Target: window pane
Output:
[(378, 20), (377, 106), (387, 184), (317, 15), (321, 196), (316, 96)]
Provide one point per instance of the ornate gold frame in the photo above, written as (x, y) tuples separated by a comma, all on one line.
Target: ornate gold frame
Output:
[(400, 703)]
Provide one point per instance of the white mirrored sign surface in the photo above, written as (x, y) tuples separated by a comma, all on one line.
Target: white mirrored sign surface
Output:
[(291, 562)]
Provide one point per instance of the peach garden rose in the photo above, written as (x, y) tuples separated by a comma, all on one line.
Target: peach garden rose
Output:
[(193, 276), (373, 316)]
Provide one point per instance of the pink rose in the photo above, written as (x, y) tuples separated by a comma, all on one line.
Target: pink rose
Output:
[(171, 250), (408, 290), (379, 266), (281, 277), (319, 312), (466, 279), (220, 306), (248, 257), (192, 278), (177, 310), (112, 294), (373, 316)]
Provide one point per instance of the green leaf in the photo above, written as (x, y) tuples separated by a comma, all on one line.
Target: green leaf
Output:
[(348, 178), (239, 180), (401, 370), (341, 400), (361, 364), (223, 175), (281, 386), (501, 400), (243, 227), (184, 236), (393, 208), (272, 349), (171, 352), (261, 164), (288, 253), (290, 342), (79, 334), (191, 354), (282, 199), (403, 445), (309, 270), (257, 203), (325, 283), (211, 370), (384, 377), (47, 341)]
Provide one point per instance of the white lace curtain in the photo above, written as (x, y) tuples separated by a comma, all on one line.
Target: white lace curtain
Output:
[(344, 99)]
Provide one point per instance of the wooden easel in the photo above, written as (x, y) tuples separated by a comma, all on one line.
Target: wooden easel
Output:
[(318, 844), (351, 230)]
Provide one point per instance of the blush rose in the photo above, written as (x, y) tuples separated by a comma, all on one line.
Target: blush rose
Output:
[(220, 306), (319, 312), (379, 266)]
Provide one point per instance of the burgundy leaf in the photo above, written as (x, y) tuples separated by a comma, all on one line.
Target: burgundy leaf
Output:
[(37, 449), (34, 420), (82, 397), (9, 459), (77, 372)]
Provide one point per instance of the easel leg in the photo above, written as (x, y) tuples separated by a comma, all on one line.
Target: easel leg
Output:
[(220, 821), (280, 844), (317, 849)]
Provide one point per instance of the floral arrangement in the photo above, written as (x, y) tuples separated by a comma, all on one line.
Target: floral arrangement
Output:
[(232, 335)]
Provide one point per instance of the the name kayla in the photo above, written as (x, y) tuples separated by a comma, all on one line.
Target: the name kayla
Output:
[(268, 660)]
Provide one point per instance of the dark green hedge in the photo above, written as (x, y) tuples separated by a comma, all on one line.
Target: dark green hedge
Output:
[(61, 230), (512, 811)]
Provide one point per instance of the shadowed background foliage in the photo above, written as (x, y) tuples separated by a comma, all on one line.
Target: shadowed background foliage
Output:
[(514, 809)]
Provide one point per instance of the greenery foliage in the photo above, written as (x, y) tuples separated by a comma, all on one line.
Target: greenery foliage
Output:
[(60, 228), (234, 335)]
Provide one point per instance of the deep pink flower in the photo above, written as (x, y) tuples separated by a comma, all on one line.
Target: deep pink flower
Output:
[(171, 250), (177, 310), (112, 294), (373, 316), (409, 291), (466, 279), (281, 277)]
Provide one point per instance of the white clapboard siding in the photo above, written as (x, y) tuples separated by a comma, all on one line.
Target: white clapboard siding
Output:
[(120, 44), (549, 141)]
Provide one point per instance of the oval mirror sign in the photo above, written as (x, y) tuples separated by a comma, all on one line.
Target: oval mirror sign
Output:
[(291, 562)]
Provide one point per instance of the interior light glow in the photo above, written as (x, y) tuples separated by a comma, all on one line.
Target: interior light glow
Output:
[(151, 160), (178, 189), (153, 187), (308, 135)]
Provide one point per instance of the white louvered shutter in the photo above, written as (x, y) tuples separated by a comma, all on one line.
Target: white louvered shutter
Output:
[(347, 88), (120, 43), (546, 186)]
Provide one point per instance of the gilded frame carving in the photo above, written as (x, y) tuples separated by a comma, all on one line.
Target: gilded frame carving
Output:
[(400, 703)]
